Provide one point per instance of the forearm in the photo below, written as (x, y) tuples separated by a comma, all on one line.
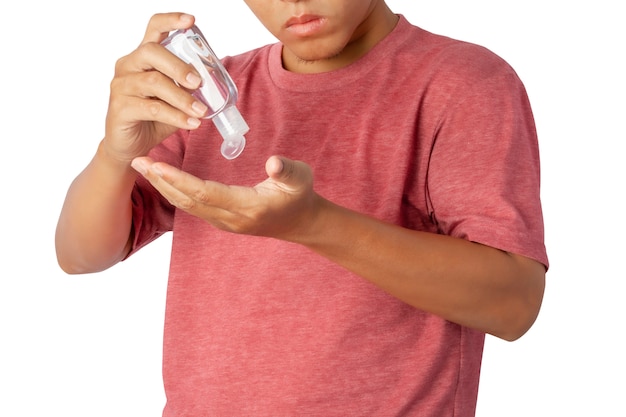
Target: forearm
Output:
[(464, 282), (94, 226)]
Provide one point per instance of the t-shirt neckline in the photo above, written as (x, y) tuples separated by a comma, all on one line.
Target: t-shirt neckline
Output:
[(298, 82)]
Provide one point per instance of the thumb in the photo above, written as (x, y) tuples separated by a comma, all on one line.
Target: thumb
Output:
[(293, 174)]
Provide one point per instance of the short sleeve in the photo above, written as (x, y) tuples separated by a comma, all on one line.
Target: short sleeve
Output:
[(484, 172), (153, 215)]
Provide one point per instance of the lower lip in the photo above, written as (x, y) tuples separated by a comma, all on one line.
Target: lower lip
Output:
[(309, 28)]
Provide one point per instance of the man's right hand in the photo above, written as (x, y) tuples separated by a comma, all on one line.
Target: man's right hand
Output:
[(150, 96)]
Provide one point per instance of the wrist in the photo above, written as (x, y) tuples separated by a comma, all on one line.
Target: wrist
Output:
[(327, 223), (112, 162)]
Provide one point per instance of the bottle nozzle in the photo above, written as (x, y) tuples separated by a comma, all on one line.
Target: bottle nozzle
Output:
[(232, 127)]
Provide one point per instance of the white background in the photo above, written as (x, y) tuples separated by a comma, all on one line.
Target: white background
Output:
[(91, 345)]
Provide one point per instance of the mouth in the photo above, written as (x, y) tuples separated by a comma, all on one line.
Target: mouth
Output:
[(305, 25)]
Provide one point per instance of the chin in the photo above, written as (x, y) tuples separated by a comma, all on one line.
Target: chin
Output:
[(315, 51)]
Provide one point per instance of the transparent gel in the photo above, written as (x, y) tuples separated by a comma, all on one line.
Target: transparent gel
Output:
[(217, 91)]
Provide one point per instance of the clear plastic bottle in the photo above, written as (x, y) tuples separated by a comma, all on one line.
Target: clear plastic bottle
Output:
[(217, 91)]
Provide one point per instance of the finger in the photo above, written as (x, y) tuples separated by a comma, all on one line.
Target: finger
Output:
[(153, 56), (161, 96), (294, 175), (162, 24), (154, 173), (221, 205), (182, 189), (135, 109)]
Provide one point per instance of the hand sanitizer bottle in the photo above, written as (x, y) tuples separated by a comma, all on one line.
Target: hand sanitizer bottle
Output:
[(217, 91)]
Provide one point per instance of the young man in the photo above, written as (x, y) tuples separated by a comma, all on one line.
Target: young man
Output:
[(398, 219)]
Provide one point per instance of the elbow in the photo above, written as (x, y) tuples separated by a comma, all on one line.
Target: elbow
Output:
[(79, 268), (519, 326), (76, 258), (514, 328), (69, 259), (71, 267), (522, 310), (75, 263)]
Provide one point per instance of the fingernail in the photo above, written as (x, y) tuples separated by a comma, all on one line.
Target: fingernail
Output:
[(193, 79), (199, 108), (139, 166), (193, 123), (186, 17)]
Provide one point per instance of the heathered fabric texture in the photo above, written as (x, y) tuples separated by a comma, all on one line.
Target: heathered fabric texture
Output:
[(425, 132)]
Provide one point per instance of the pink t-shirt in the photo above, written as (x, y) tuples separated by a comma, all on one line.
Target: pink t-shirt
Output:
[(424, 131)]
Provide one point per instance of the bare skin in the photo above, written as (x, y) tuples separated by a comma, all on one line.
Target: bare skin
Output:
[(471, 284)]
